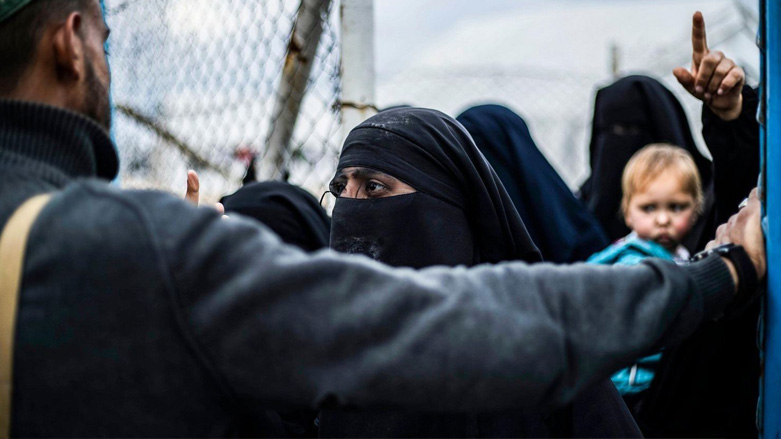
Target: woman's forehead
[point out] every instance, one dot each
(361, 172)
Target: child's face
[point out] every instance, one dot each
(662, 212)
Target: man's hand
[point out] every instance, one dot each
(714, 78)
(744, 229)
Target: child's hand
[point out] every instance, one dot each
(714, 78)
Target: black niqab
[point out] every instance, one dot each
(629, 114)
(434, 154)
(561, 226)
(291, 212)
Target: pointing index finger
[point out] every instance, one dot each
(699, 41)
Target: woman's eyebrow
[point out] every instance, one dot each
(369, 173)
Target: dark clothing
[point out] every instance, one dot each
(134, 320)
(404, 231)
(708, 385)
(734, 146)
(298, 219)
(420, 230)
(559, 224)
(628, 115)
(425, 149)
(291, 212)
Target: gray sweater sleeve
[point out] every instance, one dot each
(278, 326)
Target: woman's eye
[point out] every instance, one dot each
(374, 187)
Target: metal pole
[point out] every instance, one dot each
(772, 221)
(357, 101)
(615, 55)
(301, 51)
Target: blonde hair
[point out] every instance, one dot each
(654, 159)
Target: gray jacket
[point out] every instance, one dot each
(142, 316)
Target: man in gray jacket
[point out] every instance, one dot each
(142, 316)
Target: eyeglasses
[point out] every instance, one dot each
(326, 193)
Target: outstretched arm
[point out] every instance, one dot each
(285, 327)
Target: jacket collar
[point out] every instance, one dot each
(54, 143)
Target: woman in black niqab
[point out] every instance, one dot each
(457, 190)
(460, 214)
(561, 226)
(290, 211)
(629, 114)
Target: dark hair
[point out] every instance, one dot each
(20, 34)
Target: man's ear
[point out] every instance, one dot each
(68, 47)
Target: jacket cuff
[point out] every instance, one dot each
(713, 281)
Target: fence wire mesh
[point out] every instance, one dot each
(199, 84)
(557, 104)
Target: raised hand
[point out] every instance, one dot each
(714, 79)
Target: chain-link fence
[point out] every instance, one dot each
(209, 85)
(558, 104)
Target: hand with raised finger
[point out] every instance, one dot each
(714, 79)
(193, 187)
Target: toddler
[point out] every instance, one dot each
(662, 197)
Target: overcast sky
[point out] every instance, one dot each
(540, 32)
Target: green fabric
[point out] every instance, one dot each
(9, 7)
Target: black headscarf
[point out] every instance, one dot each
(291, 212)
(458, 191)
(434, 154)
(629, 114)
(560, 225)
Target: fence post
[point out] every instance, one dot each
(771, 409)
(301, 51)
(357, 100)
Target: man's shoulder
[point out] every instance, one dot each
(96, 191)
(95, 199)
(94, 210)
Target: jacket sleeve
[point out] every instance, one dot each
(734, 146)
(282, 327)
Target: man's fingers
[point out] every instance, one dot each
(219, 208)
(706, 70)
(685, 78)
(721, 235)
(193, 187)
(699, 41)
(719, 73)
(733, 80)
